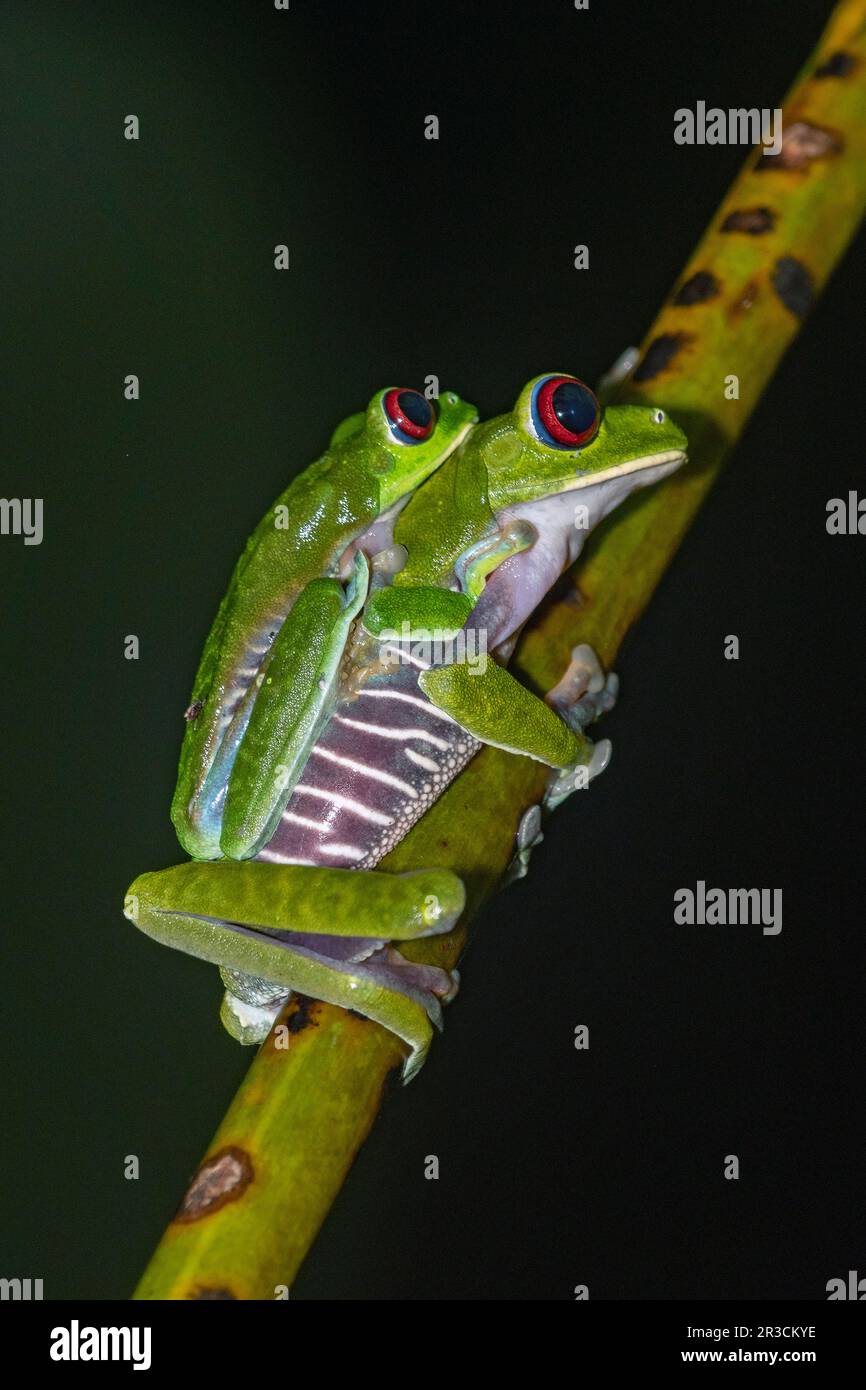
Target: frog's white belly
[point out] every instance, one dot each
(382, 760)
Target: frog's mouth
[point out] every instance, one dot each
(657, 467)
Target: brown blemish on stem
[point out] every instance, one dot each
(839, 64)
(697, 289)
(659, 355)
(205, 1292)
(752, 221)
(802, 144)
(220, 1179)
(745, 300)
(793, 284)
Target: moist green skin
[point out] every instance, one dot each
(300, 580)
(502, 463)
(362, 474)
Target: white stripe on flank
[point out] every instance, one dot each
(347, 851)
(346, 803)
(291, 819)
(411, 700)
(388, 649)
(382, 732)
(366, 771)
(273, 858)
(420, 761)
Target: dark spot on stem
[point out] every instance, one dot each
(353, 1013)
(793, 284)
(802, 144)
(205, 1292)
(752, 221)
(193, 711)
(839, 64)
(220, 1179)
(697, 289)
(300, 1015)
(659, 355)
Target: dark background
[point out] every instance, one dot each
(411, 257)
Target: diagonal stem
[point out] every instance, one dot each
(292, 1131)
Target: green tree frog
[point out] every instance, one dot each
(353, 671)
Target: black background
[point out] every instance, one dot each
(412, 257)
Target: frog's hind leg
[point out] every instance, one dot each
(327, 933)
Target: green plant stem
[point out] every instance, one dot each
(290, 1135)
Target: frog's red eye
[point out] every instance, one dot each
(565, 413)
(410, 415)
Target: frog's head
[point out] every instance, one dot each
(409, 436)
(558, 439)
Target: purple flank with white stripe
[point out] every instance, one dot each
(382, 760)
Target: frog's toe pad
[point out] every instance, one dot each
(584, 692)
(528, 836)
(248, 1023)
(572, 779)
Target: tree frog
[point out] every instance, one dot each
(335, 719)
(339, 507)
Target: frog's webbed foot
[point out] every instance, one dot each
(577, 778)
(250, 1005)
(528, 836)
(584, 693)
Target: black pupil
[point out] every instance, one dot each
(574, 407)
(416, 408)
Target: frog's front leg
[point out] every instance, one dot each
(323, 932)
(497, 709)
(494, 707)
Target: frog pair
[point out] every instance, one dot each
(357, 661)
